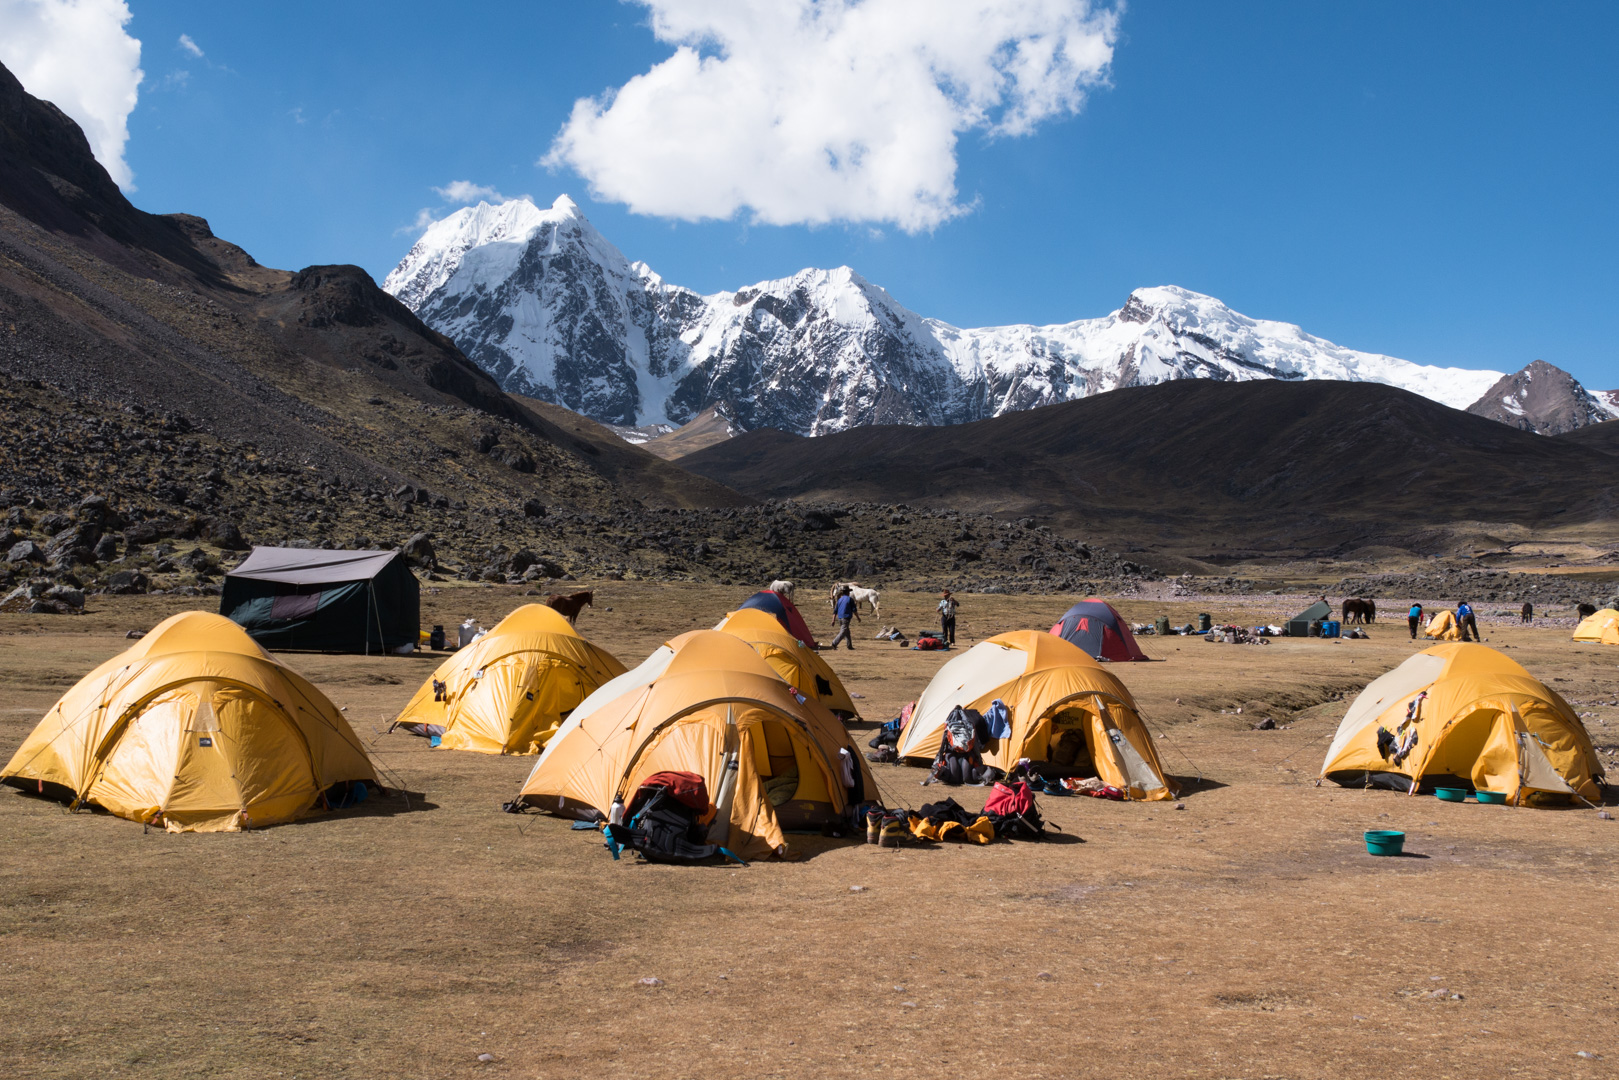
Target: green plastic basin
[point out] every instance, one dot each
(1451, 794)
(1384, 842)
(1491, 796)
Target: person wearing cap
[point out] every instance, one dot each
(947, 617)
(1467, 621)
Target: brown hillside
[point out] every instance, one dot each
(708, 428)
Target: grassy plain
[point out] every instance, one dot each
(1246, 935)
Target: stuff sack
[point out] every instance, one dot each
(929, 643)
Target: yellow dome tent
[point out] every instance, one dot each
(1443, 626)
(705, 703)
(1051, 687)
(1602, 627)
(795, 662)
(507, 692)
(1464, 715)
(193, 728)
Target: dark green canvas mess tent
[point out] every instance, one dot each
(334, 601)
(1299, 625)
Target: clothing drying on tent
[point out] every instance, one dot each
(794, 661)
(1060, 703)
(1463, 715)
(194, 728)
(1299, 625)
(335, 601)
(1094, 626)
(510, 690)
(706, 703)
(1602, 627)
(784, 612)
(1444, 627)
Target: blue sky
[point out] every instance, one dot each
(1434, 181)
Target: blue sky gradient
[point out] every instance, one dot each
(1434, 181)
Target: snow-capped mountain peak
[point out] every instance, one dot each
(548, 306)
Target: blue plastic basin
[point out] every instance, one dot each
(1384, 842)
(1451, 794)
(1491, 796)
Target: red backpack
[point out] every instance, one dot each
(1007, 800)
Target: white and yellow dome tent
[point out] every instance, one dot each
(194, 728)
(510, 690)
(706, 703)
(1601, 627)
(1050, 686)
(1464, 715)
(801, 666)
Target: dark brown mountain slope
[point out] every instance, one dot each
(1276, 463)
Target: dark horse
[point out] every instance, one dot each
(571, 604)
(1360, 611)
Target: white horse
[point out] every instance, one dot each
(785, 588)
(861, 596)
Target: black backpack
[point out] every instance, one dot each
(664, 829)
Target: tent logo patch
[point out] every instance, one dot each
(205, 741)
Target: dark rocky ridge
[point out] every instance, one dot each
(1316, 467)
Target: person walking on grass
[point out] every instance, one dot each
(846, 611)
(1414, 617)
(947, 617)
(1465, 619)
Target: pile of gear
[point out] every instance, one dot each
(1010, 813)
(1240, 635)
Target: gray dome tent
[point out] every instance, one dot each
(332, 601)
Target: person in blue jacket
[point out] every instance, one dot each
(1465, 620)
(845, 611)
(1414, 617)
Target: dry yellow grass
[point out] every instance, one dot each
(1247, 935)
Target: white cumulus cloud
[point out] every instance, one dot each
(190, 46)
(76, 55)
(465, 191)
(815, 111)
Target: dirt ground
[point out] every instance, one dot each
(1246, 935)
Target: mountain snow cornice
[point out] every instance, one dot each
(547, 305)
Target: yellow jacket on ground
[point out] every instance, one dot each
(705, 703)
(508, 692)
(794, 661)
(1050, 687)
(1467, 715)
(194, 728)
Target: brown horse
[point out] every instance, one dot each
(1360, 611)
(571, 604)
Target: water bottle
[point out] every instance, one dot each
(615, 816)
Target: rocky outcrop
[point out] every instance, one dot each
(1543, 399)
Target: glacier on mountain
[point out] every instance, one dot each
(547, 305)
